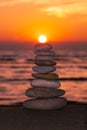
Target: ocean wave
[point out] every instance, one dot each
(2, 89)
(6, 99)
(82, 67)
(64, 79)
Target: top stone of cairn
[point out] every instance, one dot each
(43, 47)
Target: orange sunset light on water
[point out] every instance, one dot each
(25, 20)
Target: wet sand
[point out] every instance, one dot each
(71, 117)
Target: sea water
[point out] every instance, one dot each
(16, 69)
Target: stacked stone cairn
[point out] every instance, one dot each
(45, 92)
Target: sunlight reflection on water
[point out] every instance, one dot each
(13, 91)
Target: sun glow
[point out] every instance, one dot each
(42, 39)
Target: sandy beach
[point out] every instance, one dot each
(71, 117)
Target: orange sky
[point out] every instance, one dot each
(25, 20)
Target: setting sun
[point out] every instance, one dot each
(42, 39)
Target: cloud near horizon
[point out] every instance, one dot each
(58, 8)
(76, 8)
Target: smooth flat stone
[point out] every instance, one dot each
(44, 92)
(45, 104)
(46, 76)
(45, 53)
(45, 63)
(44, 69)
(44, 58)
(43, 47)
(45, 83)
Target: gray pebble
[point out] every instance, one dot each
(44, 69)
(43, 47)
(44, 92)
(45, 83)
(45, 104)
